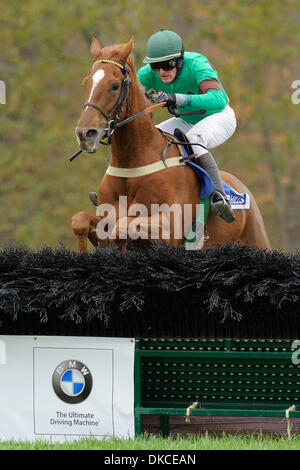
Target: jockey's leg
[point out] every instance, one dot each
(211, 132)
(219, 202)
(206, 134)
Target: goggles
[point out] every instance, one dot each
(167, 65)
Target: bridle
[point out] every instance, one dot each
(119, 105)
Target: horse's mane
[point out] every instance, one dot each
(131, 65)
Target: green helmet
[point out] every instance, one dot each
(163, 45)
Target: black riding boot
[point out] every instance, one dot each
(220, 205)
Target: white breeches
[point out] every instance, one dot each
(210, 131)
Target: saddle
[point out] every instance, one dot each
(180, 135)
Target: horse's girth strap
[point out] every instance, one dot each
(144, 170)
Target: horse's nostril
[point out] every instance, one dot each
(92, 134)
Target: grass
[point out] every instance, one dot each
(149, 442)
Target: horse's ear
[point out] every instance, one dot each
(95, 49)
(126, 50)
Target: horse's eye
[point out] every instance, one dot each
(115, 86)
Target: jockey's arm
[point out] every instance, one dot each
(210, 96)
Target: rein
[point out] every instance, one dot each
(121, 123)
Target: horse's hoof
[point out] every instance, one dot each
(94, 198)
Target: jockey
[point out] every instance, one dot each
(188, 80)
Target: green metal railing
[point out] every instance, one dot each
(225, 377)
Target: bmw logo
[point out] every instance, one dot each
(72, 381)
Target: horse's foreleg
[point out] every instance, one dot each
(84, 228)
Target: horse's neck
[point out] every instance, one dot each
(139, 142)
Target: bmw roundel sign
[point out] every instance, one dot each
(72, 381)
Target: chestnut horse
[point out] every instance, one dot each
(114, 94)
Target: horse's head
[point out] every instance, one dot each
(105, 90)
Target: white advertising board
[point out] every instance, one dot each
(66, 387)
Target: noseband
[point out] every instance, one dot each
(119, 106)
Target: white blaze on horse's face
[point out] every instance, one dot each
(98, 75)
(87, 135)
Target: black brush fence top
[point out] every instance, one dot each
(225, 292)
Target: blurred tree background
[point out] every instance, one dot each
(254, 45)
